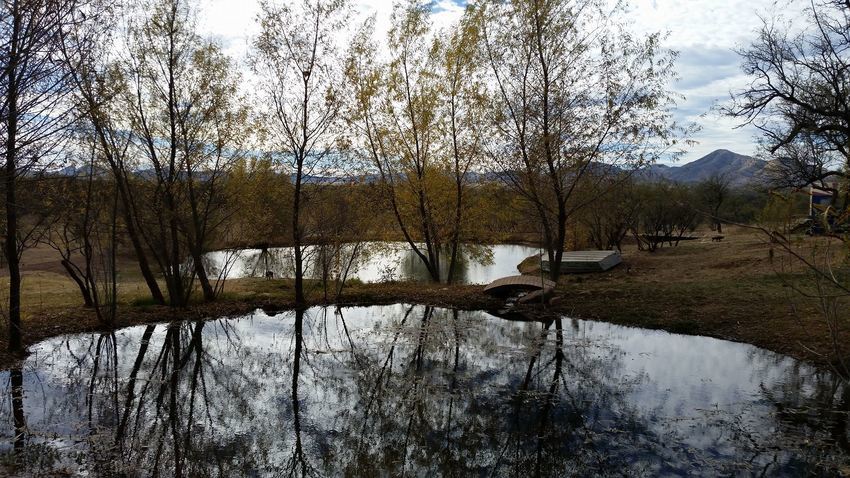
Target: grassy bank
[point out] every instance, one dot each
(735, 290)
(732, 290)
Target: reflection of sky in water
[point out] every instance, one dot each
(378, 261)
(398, 389)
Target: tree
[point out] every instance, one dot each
(576, 98)
(714, 192)
(807, 161)
(170, 123)
(89, 53)
(263, 198)
(33, 114)
(465, 99)
(83, 229)
(416, 119)
(797, 98)
(666, 214)
(615, 213)
(295, 55)
(799, 81)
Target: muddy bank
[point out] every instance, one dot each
(639, 308)
(730, 290)
(269, 295)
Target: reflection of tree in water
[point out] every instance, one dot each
(279, 261)
(432, 407)
(343, 261)
(420, 391)
(298, 464)
(412, 267)
(812, 409)
(159, 415)
(16, 379)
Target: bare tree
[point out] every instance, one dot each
(798, 94)
(169, 122)
(83, 230)
(576, 99)
(89, 50)
(797, 97)
(186, 120)
(34, 113)
(296, 57)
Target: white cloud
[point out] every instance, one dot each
(232, 23)
(706, 32)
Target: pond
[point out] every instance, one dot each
(374, 262)
(414, 390)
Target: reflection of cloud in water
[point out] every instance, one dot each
(396, 389)
(378, 261)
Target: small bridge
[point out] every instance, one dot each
(508, 285)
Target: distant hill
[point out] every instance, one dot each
(740, 169)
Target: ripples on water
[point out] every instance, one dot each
(401, 390)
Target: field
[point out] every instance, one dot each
(732, 290)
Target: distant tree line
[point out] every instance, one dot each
(652, 214)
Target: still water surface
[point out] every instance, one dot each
(376, 262)
(412, 390)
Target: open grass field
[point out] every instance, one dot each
(732, 289)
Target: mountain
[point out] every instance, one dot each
(738, 168)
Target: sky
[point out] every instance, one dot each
(704, 32)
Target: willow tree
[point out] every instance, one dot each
(416, 118)
(169, 122)
(465, 100)
(92, 59)
(296, 57)
(576, 99)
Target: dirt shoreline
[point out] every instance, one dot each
(79, 320)
(730, 291)
(464, 297)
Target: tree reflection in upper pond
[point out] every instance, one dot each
(414, 390)
(374, 262)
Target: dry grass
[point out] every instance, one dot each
(732, 290)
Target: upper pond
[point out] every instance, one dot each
(376, 261)
(413, 390)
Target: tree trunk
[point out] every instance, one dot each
(203, 278)
(560, 242)
(458, 216)
(138, 248)
(11, 249)
(12, 255)
(296, 239)
(84, 290)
